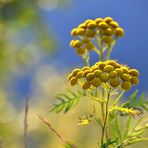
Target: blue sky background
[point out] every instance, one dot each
(131, 50)
(131, 15)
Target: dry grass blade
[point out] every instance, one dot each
(26, 122)
(52, 129)
(61, 138)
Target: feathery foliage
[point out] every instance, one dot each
(129, 111)
(108, 142)
(135, 102)
(67, 101)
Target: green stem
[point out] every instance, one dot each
(86, 59)
(110, 47)
(101, 55)
(97, 51)
(106, 117)
(102, 105)
(108, 53)
(87, 63)
(117, 100)
(127, 127)
(100, 47)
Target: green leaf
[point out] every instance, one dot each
(108, 142)
(127, 126)
(134, 102)
(135, 140)
(129, 111)
(67, 101)
(131, 100)
(111, 116)
(69, 145)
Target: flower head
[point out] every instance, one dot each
(106, 29)
(107, 72)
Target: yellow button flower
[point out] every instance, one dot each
(103, 25)
(108, 68)
(77, 43)
(96, 82)
(90, 32)
(106, 39)
(114, 24)
(80, 50)
(89, 76)
(125, 77)
(119, 32)
(104, 77)
(113, 74)
(73, 81)
(97, 73)
(108, 19)
(86, 85)
(134, 72)
(73, 32)
(134, 80)
(80, 74)
(115, 82)
(75, 71)
(98, 20)
(126, 85)
(80, 31)
(92, 25)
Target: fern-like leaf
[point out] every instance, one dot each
(108, 143)
(67, 101)
(129, 111)
(133, 101)
(133, 140)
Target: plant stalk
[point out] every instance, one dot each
(105, 118)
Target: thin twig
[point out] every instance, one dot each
(61, 138)
(26, 122)
(52, 129)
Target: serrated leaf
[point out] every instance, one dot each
(58, 108)
(134, 102)
(129, 111)
(131, 100)
(67, 101)
(111, 116)
(135, 140)
(72, 93)
(137, 133)
(68, 106)
(108, 142)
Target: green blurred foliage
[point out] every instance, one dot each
(25, 38)
(24, 34)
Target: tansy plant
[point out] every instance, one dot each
(105, 82)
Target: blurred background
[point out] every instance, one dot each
(35, 58)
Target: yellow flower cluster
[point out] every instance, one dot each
(106, 29)
(110, 72)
